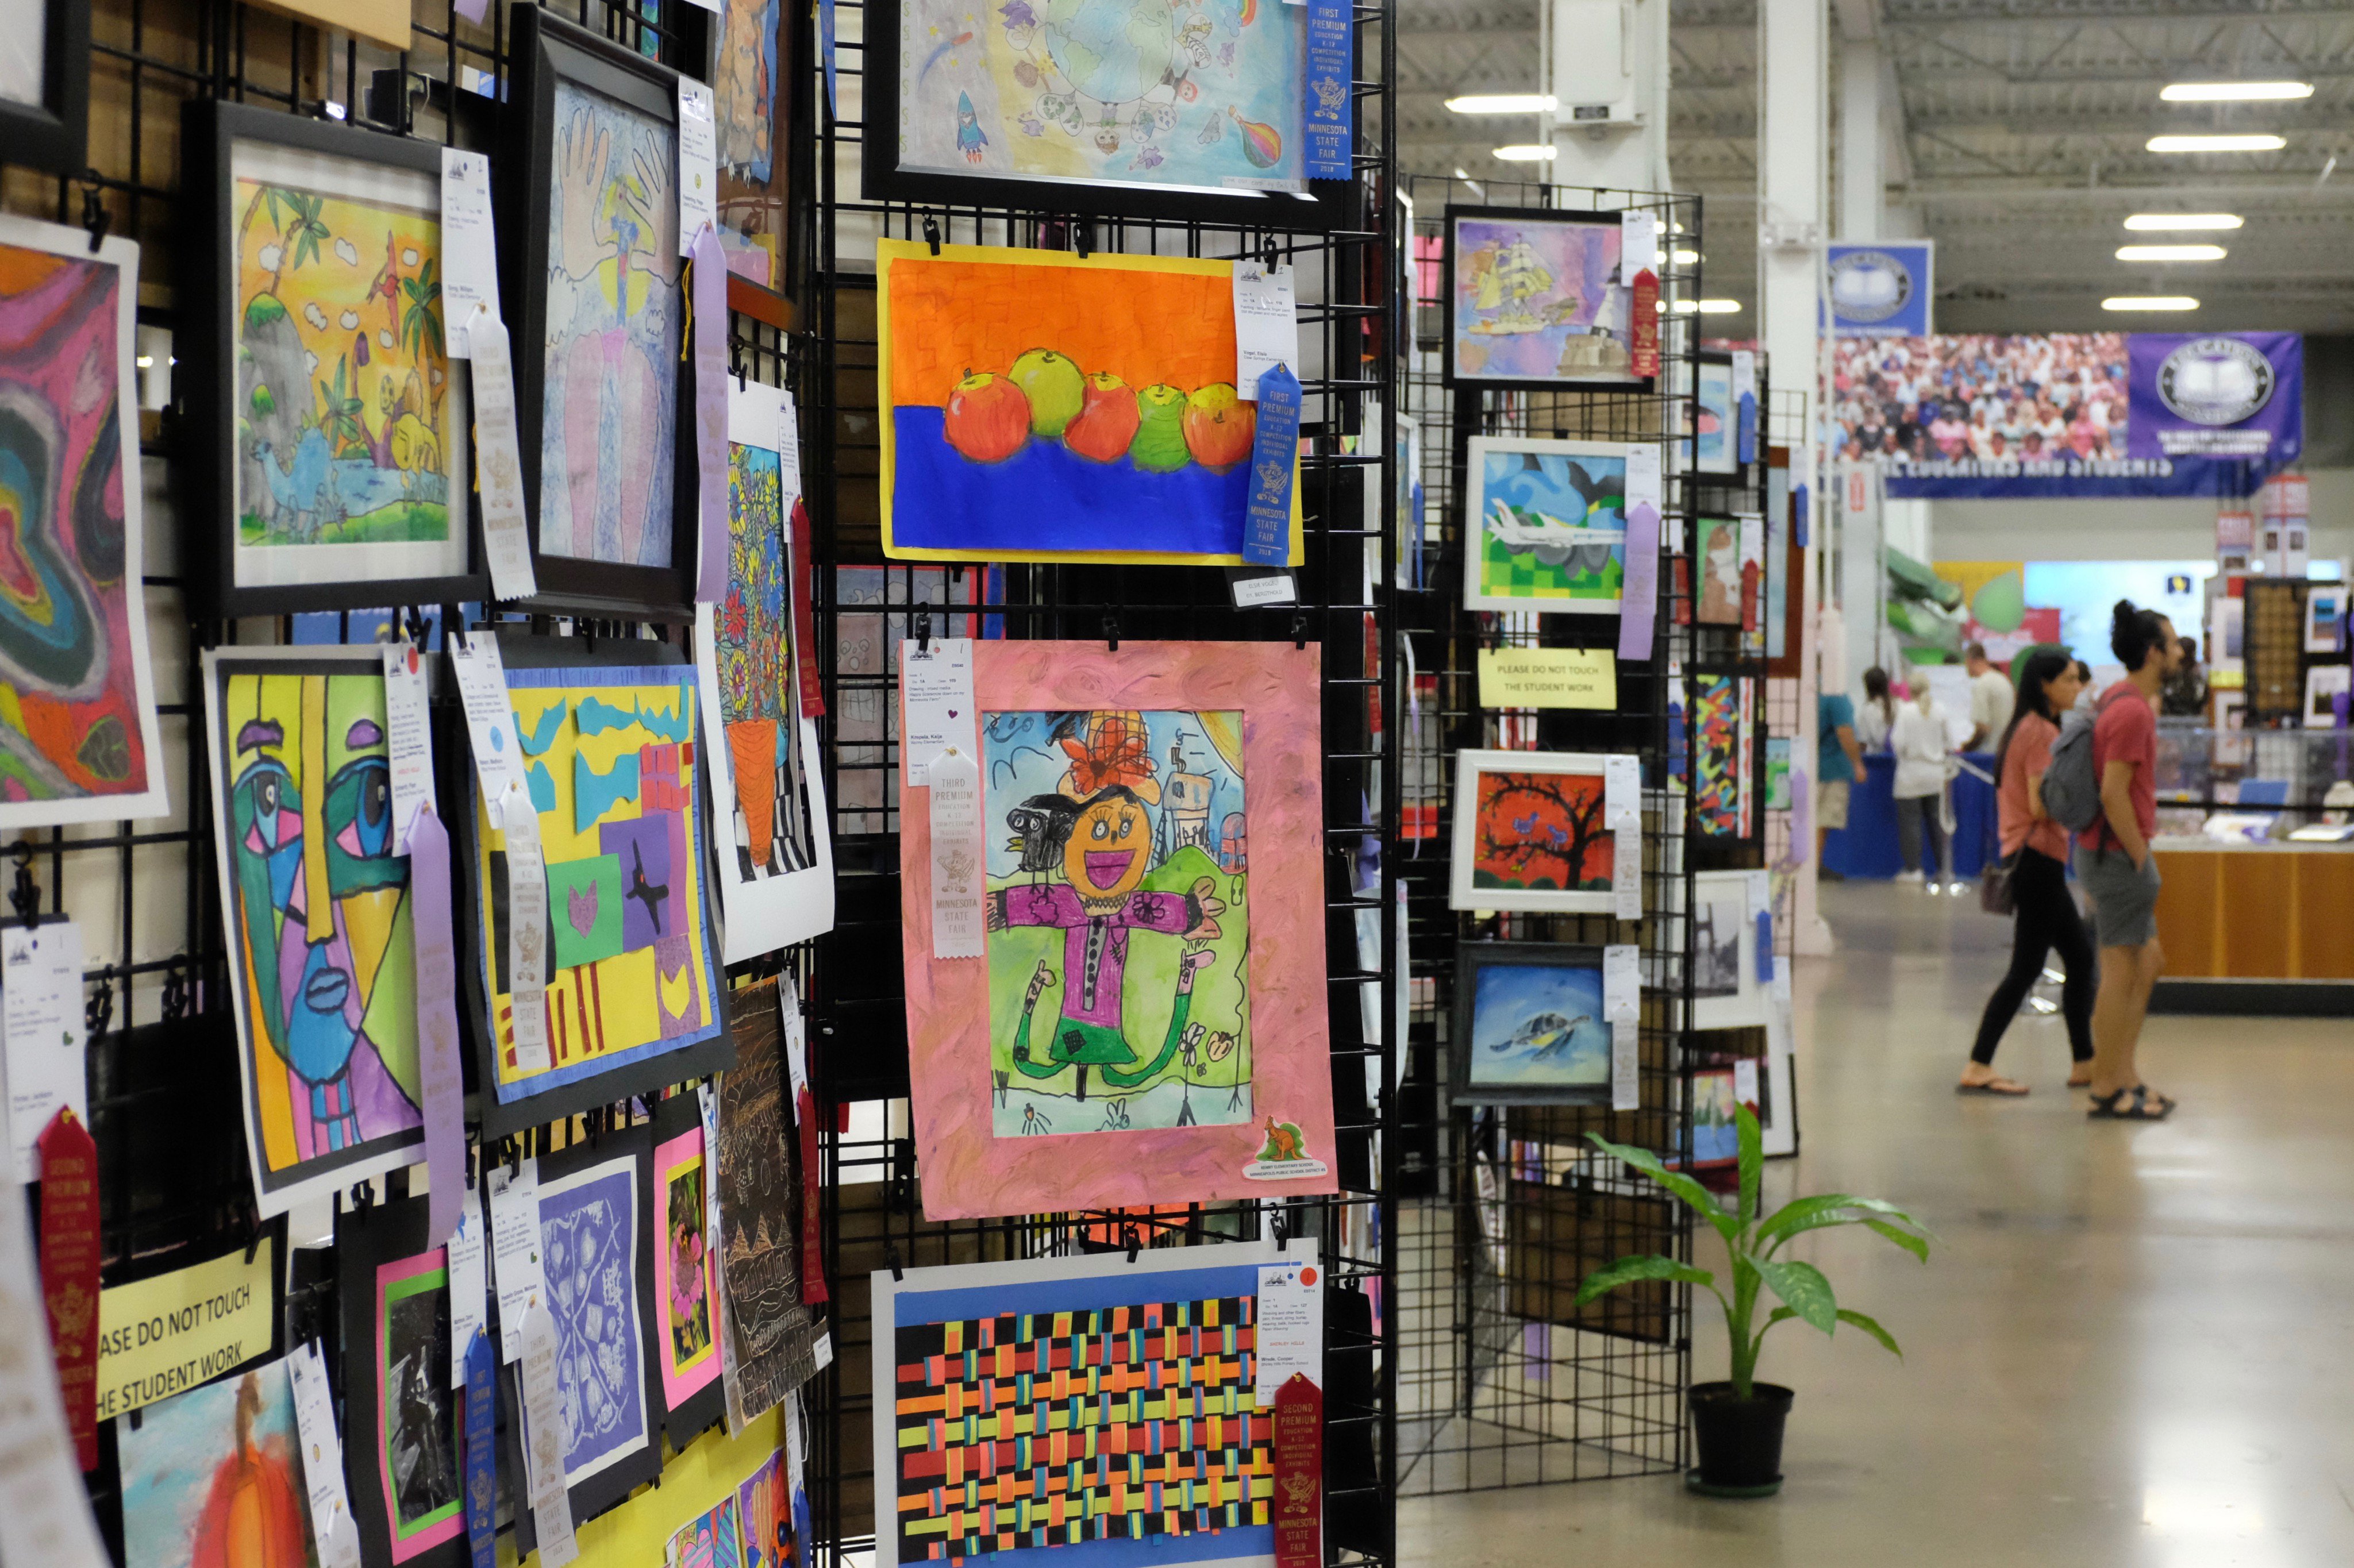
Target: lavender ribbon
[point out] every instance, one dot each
(711, 412)
(441, 1077)
(1640, 596)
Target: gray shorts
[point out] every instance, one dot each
(2125, 901)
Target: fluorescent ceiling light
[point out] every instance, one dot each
(2260, 143)
(1720, 307)
(1681, 307)
(1683, 257)
(2149, 303)
(1503, 104)
(2161, 221)
(1526, 152)
(2170, 253)
(2234, 91)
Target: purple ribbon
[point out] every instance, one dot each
(1639, 596)
(441, 1075)
(711, 412)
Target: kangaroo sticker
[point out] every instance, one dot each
(1282, 1154)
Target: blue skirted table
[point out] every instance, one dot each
(1867, 847)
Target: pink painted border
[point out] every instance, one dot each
(678, 1387)
(970, 1173)
(387, 1274)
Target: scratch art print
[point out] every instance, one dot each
(1536, 300)
(1041, 406)
(1145, 1025)
(1142, 1439)
(1202, 94)
(216, 1466)
(588, 1248)
(1551, 521)
(76, 697)
(767, 799)
(351, 441)
(612, 758)
(1532, 832)
(614, 314)
(771, 1339)
(321, 942)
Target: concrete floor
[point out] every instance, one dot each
(2132, 1345)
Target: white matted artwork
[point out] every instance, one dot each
(1532, 832)
(2324, 617)
(2324, 684)
(1726, 992)
(1550, 521)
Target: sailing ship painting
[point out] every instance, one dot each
(1538, 299)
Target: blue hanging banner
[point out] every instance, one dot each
(481, 1466)
(1749, 452)
(1331, 62)
(1764, 947)
(825, 43)
(1275, 451)
(1798, 515)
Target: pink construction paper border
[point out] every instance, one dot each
(968, 1171)
(389, 1275)
(680, 1383)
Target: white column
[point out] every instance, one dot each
(1609, 72)
(1862, 180)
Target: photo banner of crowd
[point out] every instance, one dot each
(2077, 415)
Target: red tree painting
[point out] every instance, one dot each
(1542, 831)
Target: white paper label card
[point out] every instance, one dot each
(498, 462)
(935, 701)
(752, 419)
(958, 854)
(789, 1002)
(469, 254)
(789, 443)
(323, 1459)
(698, 163)
(1622, 791)
(41, 1011)
(1638, 250)
(1643, 478)
(1622, 990)
(409, 738)
(1759, 887)
(1266, 324)
(1745, 372)
(1627, 873)
(469, 1283)
(1255, 587)
(490, 720)
(1626, 1078)
(516, 1267)
(1745, 1081)
(1290, 1330)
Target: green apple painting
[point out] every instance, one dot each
(1041, 406)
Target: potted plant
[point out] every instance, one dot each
(1737, 1424)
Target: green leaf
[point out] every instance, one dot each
(1628, 1270)
(1675, 1181)
(1858, 1320)
(1785, 1220)
(1803, 1288)
(1753, 1158)
(1917, 1246)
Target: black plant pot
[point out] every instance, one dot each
(1740, 1440)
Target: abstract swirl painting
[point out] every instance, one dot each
(76, 697)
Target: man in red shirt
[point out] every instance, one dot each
(2115, 867)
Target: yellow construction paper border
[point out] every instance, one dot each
(637, 1533)
(889, 250)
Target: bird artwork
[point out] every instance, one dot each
(580, 907)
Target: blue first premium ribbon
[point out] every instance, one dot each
(1764, 947)
(1331, 61)
(1267, 521)
(1746, 450)
(482, 1467)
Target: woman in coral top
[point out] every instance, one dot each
(2045, 914)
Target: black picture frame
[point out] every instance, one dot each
(520, 650)
(367, 1240)
(1325, 205)
(592, 1495)
(1453, 257)
(708, 1405)
(54, 133)
(546, 49)
(1471, 958)
(210, 345)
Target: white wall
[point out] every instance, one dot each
(2119, 530)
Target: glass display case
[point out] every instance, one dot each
(2284, 775)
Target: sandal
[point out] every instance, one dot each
(2146, 1106)
(1999, 1086)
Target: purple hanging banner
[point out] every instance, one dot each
(711, 412)
(1639, 596)
(441, 1077)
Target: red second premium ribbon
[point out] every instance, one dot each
(1645, 310)
(70, 1270)
(1298, 1474)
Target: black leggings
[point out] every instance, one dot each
(2046, 922)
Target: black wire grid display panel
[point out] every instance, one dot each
(1502, 1381)
(173, 1180)
(874, 1216)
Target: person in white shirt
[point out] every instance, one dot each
(1920, 744)
(1991, 699)
(1877, 716)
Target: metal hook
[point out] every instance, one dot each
(1267, 253)
(98, 1010)
(932, 233)
(923, 633)
(94, 216)
(26, 897)
(1111, 632)
(1300, 629)
(891, 1261)
(1282, 1228)
(176, 990)
(1083, 237)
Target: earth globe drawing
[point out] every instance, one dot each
(1114, 51)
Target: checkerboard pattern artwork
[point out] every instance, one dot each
(1053, 1429)
(1504, 575)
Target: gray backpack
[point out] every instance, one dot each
(2072, 792)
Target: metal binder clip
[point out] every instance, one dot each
(26, 896)
(1083, 237)
(1300, 629)
(94, 216)
(1111, 632)
(1131, 1241)
(932, 233)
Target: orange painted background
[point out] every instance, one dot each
(949, 319)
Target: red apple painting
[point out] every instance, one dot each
(1038, 406)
